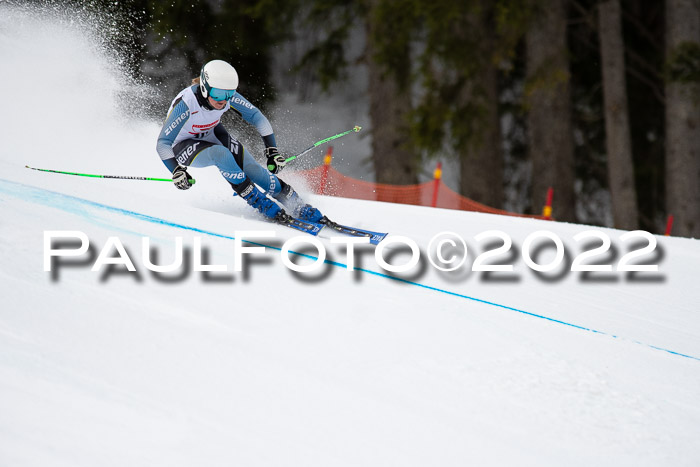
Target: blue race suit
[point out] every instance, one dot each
(193, 136)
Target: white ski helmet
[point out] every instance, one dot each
(220, 76)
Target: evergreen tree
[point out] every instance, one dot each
(617, 133)
(388, 27)
(548, 94)
(683, 115)
(459, 108)
(186, 34)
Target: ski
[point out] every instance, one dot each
(298, 224)
(313, 228)
(374, 237)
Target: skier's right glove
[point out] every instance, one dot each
(181, 178)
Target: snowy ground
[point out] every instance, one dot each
(332, 367)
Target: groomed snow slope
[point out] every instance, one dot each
(333, 367)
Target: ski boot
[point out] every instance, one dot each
(258, 200)
(297, 207)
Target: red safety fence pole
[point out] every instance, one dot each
(547, 210)
(326, 166)
(437, 175)
(669, 225)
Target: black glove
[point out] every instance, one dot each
(181, 178)
(275, 160)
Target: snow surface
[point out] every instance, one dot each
(333, 367)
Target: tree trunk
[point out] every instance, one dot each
(617, 131)
(389, 107)
(481, 161)
(548, 101)
(682, 119)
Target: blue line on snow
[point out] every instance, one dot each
(39, 196)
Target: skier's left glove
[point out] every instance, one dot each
(275, 160)
(181, 178)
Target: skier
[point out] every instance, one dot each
(193, 136)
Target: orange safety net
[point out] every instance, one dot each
(326, 180)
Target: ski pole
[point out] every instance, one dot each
(318, 143)
(123, 177)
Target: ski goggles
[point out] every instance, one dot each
(221, 94)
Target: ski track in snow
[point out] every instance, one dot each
(68, 203)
